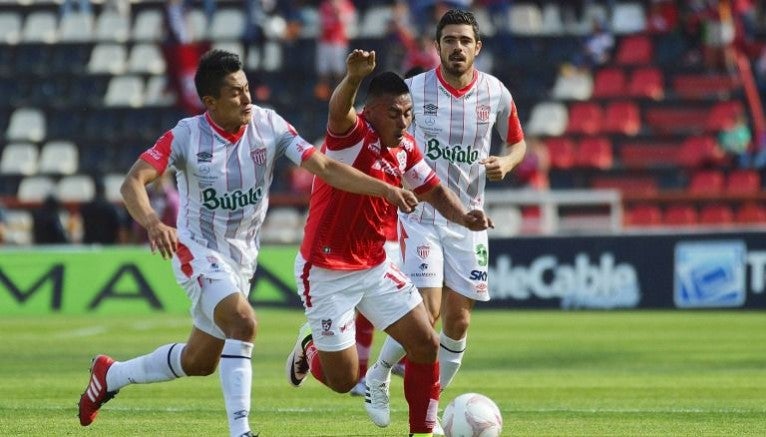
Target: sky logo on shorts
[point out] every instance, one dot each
(710, 274)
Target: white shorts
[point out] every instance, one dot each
(217, 276)
(331, 59)
(393, 252)
(454, 256)
(382, 293)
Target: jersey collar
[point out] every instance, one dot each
(452, 90)
(228, 136)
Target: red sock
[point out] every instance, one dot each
(314, 364)
(421, 389)
(364, 330)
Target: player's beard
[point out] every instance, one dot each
(458, 70)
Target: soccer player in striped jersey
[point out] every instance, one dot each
(456, 106)
(224, 161)
(342, 265)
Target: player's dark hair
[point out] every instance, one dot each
(386, 83)
(414, 71)
(457, 16)
(213, 68)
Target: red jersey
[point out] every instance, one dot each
(335, 16)
(347, 231)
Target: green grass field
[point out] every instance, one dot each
(552, 373)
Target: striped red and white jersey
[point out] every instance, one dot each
(347, 231)
(224, 179)
(453, 128)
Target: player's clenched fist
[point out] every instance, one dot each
(360, 63)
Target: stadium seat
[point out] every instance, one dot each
(157, 92)
(704, 85)
(272, 56)
(634, 50)
(706, 182)
(643, 215)
(716, 214)
(227, 25)
(622, 118)
(19, 159)
(723, 114)
(573, 86)
(374, 23)
(647, 82)
(648, 155)
(743, 181)
(76, 188)
(35, 188)
(76, 27)
(146, 59)
(148, 25)
(628, 18)
(592, 11)
(58, 157)
(698, 151)
(525, 19)
(677, 119)
(108, 59)
(628, 185)
(585, 118)
(275, 26)
(125, 91)
(18, 227)
(548, 118)
(751, 213)
(198, 25)
(112, 184)
(40, 27)
(111, 26)
(26, 124)
(561, 151)
(609, 82)
(595, 152)
(10, 27)
(552, 24)
(680, 215)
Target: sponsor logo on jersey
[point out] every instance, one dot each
(259, 155)
(456, 153)
(424, 251)
(374, 147)
(482, 113)
(231, 201)
(204, 157)
(430, 109)
(710, 274)
(423, 266)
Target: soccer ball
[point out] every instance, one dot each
(472, 415)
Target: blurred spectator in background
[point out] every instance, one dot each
(46, 223)
(498, 11)
(415, 50)
(163, 197)
(182, 54)
(718, 33)
(662, 16)
(208, 6)
(102, 221)
(532, 171)
(335, 19)
(736, 141)
(596, 47)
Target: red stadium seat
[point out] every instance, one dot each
(561, 151)
(595, 152)
(680, 120)
(643, 215)
(627, 185)
(585, 118)
(622, 118)
(696, 151)
(751, 213)
(647, 82)
(635, 50)
(648, 155)
(680, 215)
(743, 182)
(707, 182)
(704, 85)
(716, 214)
(723, 114)
(609, 82)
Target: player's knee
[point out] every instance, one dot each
(243, 327)
(197, 364)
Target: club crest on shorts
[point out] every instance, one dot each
(326, 325)
(259, 155)
(424, 251)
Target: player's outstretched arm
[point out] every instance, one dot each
(342, 115)
(448, 205)
(347, 178)
(162, 238)
(497, 167)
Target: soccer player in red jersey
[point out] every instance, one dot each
(342, 265)
(224, 161)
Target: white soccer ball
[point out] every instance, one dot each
(472, 415)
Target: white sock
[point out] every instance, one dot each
(390, 354)
(450, 356)
(236, 374)
(164, 364)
